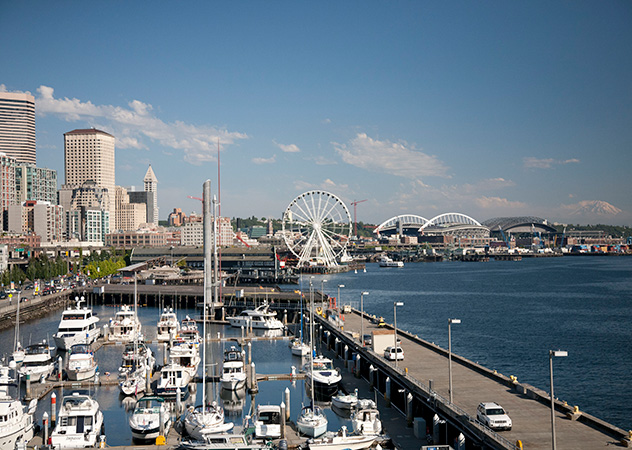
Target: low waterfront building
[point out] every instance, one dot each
(192, 234)
(140, 238)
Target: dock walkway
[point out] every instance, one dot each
(472, 384)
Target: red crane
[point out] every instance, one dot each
(355, 223)
(194, 198)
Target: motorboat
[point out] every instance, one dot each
(312, 421)
(134, 382)
(81, 363)
(79, 423)
(125, 326)
(173, 377)
(233, 371)
(133, 353)
(258, 318)
(224, 441)
(385, 261)
(168, 326)
(17, 425)
(77, 326)
(299, 348)
(268, 422)
(345, 401)
(185, 354)
(367, 422)
(325, 376)
(341, 441)
(38, 362)
(150, 417)
(203, 421)
(189, 332)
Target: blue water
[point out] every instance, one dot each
(513, 313)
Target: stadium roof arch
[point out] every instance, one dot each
(520, 224)
(454, 224)
(409, 221)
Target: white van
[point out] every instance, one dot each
(391, 353)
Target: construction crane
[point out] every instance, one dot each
(355, 210)
(194, 198)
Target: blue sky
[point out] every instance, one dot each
(485, 108)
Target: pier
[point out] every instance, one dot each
(424, 374)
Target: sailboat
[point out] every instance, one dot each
(204, 420)
(298, 346)
(18, 350)
(312, 421)
(134, 377)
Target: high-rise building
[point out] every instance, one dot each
(41, 218)
(35, 183)
(89, 155)
(151, 185)
(17, 126)
(129, 216)
(7, 182)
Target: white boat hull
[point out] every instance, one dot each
(66, 340)
(343, 443)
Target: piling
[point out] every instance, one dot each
(387, 392)
(45, 426)
(253, 378)
(345, 354)
(53, 409)
(148, 379)
(283, 419)
(60, 368)
(286, 395)
(249, 352)
(372, 376)
(357, 365)
(409, 409)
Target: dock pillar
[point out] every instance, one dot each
(253, 379)
(387, 392)
(53, 410)
(345, 354)
(409, 410)
(45, 427)
(372, 376)
(286, 400)
(336, 345)
(283, 419)
(60, 368)
(460, 442)
(179, 401)
(148, 379)
(223, 314)
(285, 317)
(357, 365)
(249, 352)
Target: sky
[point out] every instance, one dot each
(489, 109)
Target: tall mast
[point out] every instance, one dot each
(206, 213)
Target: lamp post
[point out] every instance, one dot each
(171, 248)
(322, 292)
(338, 299)
(450, 322)
(395, 305)
(362, 316)
(552, 353)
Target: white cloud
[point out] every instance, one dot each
(395, 158)
(290, 148)
(264, 160)
(497, 202)
(133, 124)
(326, 185)
(530, 162)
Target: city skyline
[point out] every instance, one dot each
(420, 108)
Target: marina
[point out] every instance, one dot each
(274, 358)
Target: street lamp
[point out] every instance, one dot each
(450, 322)
(362, 316)
(552, 353)
(395, 305)
(322, 292)
(338, 299)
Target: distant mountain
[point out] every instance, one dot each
(595, 208)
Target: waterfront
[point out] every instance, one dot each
(512, 313)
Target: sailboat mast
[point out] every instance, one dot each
(311, 341)
(206, 212)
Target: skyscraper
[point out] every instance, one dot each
(151, 185)
(89, 155)
(17, 126)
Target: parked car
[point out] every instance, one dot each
(391, 353)
(493, 415)
(368, 339)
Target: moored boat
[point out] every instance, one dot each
(258, 318)
(81, 363)
(150, 418)
(233, 371)
(38, 362)
(18, 423)
(268, 422)
(325, 376)
(341, 441)
(367, 422)
(79, 423)
(312, 421)
(77, 326)
(168, 325)
(385, 261)
(201, 422)
(125, 326)
(173, 377)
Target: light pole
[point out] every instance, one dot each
(450, 322)
(552, 353)
(338, 299)
(322, 293)
(395, 305)
(362, 316)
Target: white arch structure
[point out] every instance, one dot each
(447, 223)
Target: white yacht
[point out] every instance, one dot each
(341, 441)
(133, 353)
(134, 382)
(81, 363)
(299, 348)
(16, 421)
(325, 376)
(186, 355)
(201, 422)
(345, 401)
(77, 326)
(258, 318)
(173, 377)
(367, 422)
(312, 421)
(125, 325)
(168, 325)
(224, 441)
(233, 371)
(79, 423)
(38, 362)
(268, 422)
(385, 261)
(149, 416)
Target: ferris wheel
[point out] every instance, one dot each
(317, 228)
